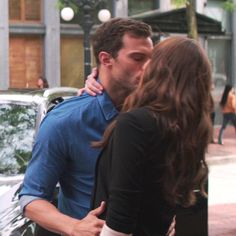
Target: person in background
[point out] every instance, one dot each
(62, 151)
(213, 114)
(154, 151)
(42, 83)
(228, 106)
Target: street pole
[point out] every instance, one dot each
(87, 26)
(87, 8)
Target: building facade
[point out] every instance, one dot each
(35, 42)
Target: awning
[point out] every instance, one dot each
(174, 21)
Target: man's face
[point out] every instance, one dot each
(128, 66)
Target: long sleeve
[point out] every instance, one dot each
(106, 231)
(129, 150)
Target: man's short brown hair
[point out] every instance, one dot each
(108, 37)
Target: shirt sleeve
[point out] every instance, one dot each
(129, 147)
(106, 231)
(25, 200)
(47, 163)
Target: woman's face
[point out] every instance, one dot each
(143, 72)
(40, 83)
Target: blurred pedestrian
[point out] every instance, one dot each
(42, 82)
(154, 152)
(228, 106)
(213, 114)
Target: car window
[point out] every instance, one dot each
(17, 128)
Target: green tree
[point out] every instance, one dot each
(190, 16)
(17, 127)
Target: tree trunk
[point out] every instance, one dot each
(191, 19)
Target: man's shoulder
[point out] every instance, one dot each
(84, 105)
(70, 108)
(74, 104)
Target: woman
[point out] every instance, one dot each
(228, 106)
(42, 83)
(154, 153)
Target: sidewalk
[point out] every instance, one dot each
(222, 164)
(226, 153)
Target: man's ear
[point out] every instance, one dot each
(105, 58)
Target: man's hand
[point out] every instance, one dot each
(48, 216)
(90, 225)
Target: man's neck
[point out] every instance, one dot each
(117, 95)
(115, 92)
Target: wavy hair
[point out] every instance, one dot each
(176, 89)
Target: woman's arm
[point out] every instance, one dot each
(129, 146)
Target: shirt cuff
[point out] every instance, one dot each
(106, 231)
(25, 200)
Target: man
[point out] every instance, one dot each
(62, 151)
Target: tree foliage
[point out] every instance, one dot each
(17, 125)
(72, 3)
(229, 5)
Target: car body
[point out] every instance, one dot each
(20, 116)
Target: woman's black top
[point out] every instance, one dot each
(128, 176)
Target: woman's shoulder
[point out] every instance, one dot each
(142, 117)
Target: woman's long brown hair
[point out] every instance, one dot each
(176, 89)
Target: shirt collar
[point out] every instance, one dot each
(107, 106)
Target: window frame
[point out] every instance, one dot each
(23, 14)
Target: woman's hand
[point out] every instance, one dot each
(92, 87)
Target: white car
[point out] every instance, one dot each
(20, 116)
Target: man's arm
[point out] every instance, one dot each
(47, 215)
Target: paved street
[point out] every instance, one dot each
(222, 186)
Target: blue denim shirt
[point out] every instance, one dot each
(62, 153)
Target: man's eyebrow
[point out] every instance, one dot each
(138, 53)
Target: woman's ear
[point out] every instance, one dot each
(105, 58)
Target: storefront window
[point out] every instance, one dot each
(15, 10)
(215, 10)
(25, 10)
(218, 52)
(219, 55)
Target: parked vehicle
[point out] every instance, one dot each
(20, 117)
